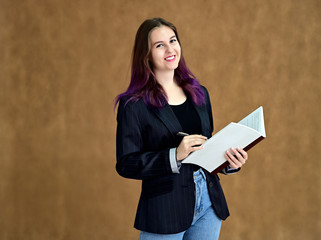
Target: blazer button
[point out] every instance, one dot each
(210, 184)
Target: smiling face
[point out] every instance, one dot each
(165, 50)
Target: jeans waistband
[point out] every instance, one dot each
(199, 174)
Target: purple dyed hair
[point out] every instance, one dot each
(143, 83)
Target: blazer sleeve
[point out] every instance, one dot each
(133, 160)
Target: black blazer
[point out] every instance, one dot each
(144, 138)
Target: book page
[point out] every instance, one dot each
(212, 156)
(255, 120)
(248, 131)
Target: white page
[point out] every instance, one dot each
(255, 120)
(212, 156)
(236, 135)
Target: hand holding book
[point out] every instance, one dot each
(236, 157)
(244, 134)
(189, 144)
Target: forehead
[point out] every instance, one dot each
(162, 33)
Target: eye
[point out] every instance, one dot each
(173, 40)
(159, 45)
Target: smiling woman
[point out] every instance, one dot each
(144, 83)
(165, 53)
(165, 50)
(163, 98)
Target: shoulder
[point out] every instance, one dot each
(206, 94)
(127, 106)
(204, 89)
(129, 103)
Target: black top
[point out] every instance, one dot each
(188, 118)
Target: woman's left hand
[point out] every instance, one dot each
(236, 157)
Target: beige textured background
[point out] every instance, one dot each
(63, 62)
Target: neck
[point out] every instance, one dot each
(165, 79)
(175, 94)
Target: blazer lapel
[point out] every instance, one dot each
(167, 116)
(203, 114)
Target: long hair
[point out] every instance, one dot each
(143, 83)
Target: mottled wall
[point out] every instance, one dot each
(63, 62)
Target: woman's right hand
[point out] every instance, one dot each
(189, 144)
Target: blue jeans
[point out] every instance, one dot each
(205, 226)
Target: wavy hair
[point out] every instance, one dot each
(143, 82)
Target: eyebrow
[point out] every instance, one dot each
(163, 41)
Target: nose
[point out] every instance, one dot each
(169, 49)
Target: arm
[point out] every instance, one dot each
(133, 159)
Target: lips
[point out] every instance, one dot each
(170, 58)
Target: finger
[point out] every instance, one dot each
(238, 155)
(193, 141)
(244, 153)
(196, 143)
(196, 136)
(233, 160)
(199, 136)
(193, 149)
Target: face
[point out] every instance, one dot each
(165, 50)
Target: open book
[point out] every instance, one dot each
(244, 134)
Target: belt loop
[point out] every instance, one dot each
(202, 172)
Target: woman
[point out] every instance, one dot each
(178, 201)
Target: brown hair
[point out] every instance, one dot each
(143, 82)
